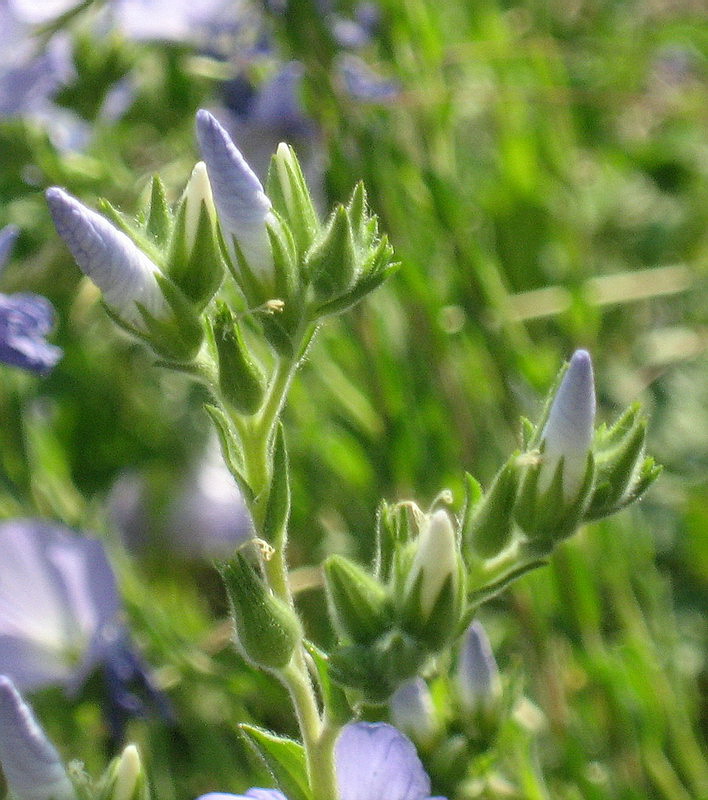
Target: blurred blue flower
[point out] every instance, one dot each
(373, 761)
(477, 677)
(25, 319)
(204, 517)
(29, 762)
(569, 430)
(362, 83)
(30, 72)
(60, 618)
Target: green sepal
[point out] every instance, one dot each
(277, 512)
(131, 228)
(256, 292)
(278, 329)
(288, 192)
(623, 474)
(397, 524)
(284, 759)
(240, 379)
(267, 631)
(227, 438)
(334, 698)
(285, 264)
(528, 431)
(490, 527)
(158, 225)
(196, 267)
(359, 605)
(545, 517)
(331, 264)
(366, 284)
(179, 337)
(440, 626)
(376, 671)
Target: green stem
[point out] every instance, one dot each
(318, 738)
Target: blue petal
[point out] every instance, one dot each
(377, 762)
(29, 762)
(111, 259)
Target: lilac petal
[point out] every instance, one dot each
(8, 235)
(57, 599)
(569, 429)
(374, 760)
(29, 762)
(116, 265)
(24, 321)
(240, 200)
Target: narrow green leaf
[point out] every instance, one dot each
(284, 758)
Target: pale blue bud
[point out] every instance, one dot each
(29, 761)
(120, 269)
(477, 677)
(413, 712)
(241, 203)
(568, 432)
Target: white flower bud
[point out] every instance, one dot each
(436, 560)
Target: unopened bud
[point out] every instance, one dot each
(413, 712)
(358, 603)
(477, 677)
(266, 628)
(569, 429)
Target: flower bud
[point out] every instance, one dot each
(332, 262)
(267, 631)
(125, 778)
(434, 586)
(477, 676)
(240, 378)
(243, 207)
(195, 263)
(413, 712)
(568, 432)
(124, 274)
(358, 603)
(492, 521)
(288, 190)
(30, 763)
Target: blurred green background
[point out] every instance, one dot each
(541, 169)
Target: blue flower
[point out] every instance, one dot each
(25, 319)
(374, 761)
(29, 762)
(568, 432)
(60, 618)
